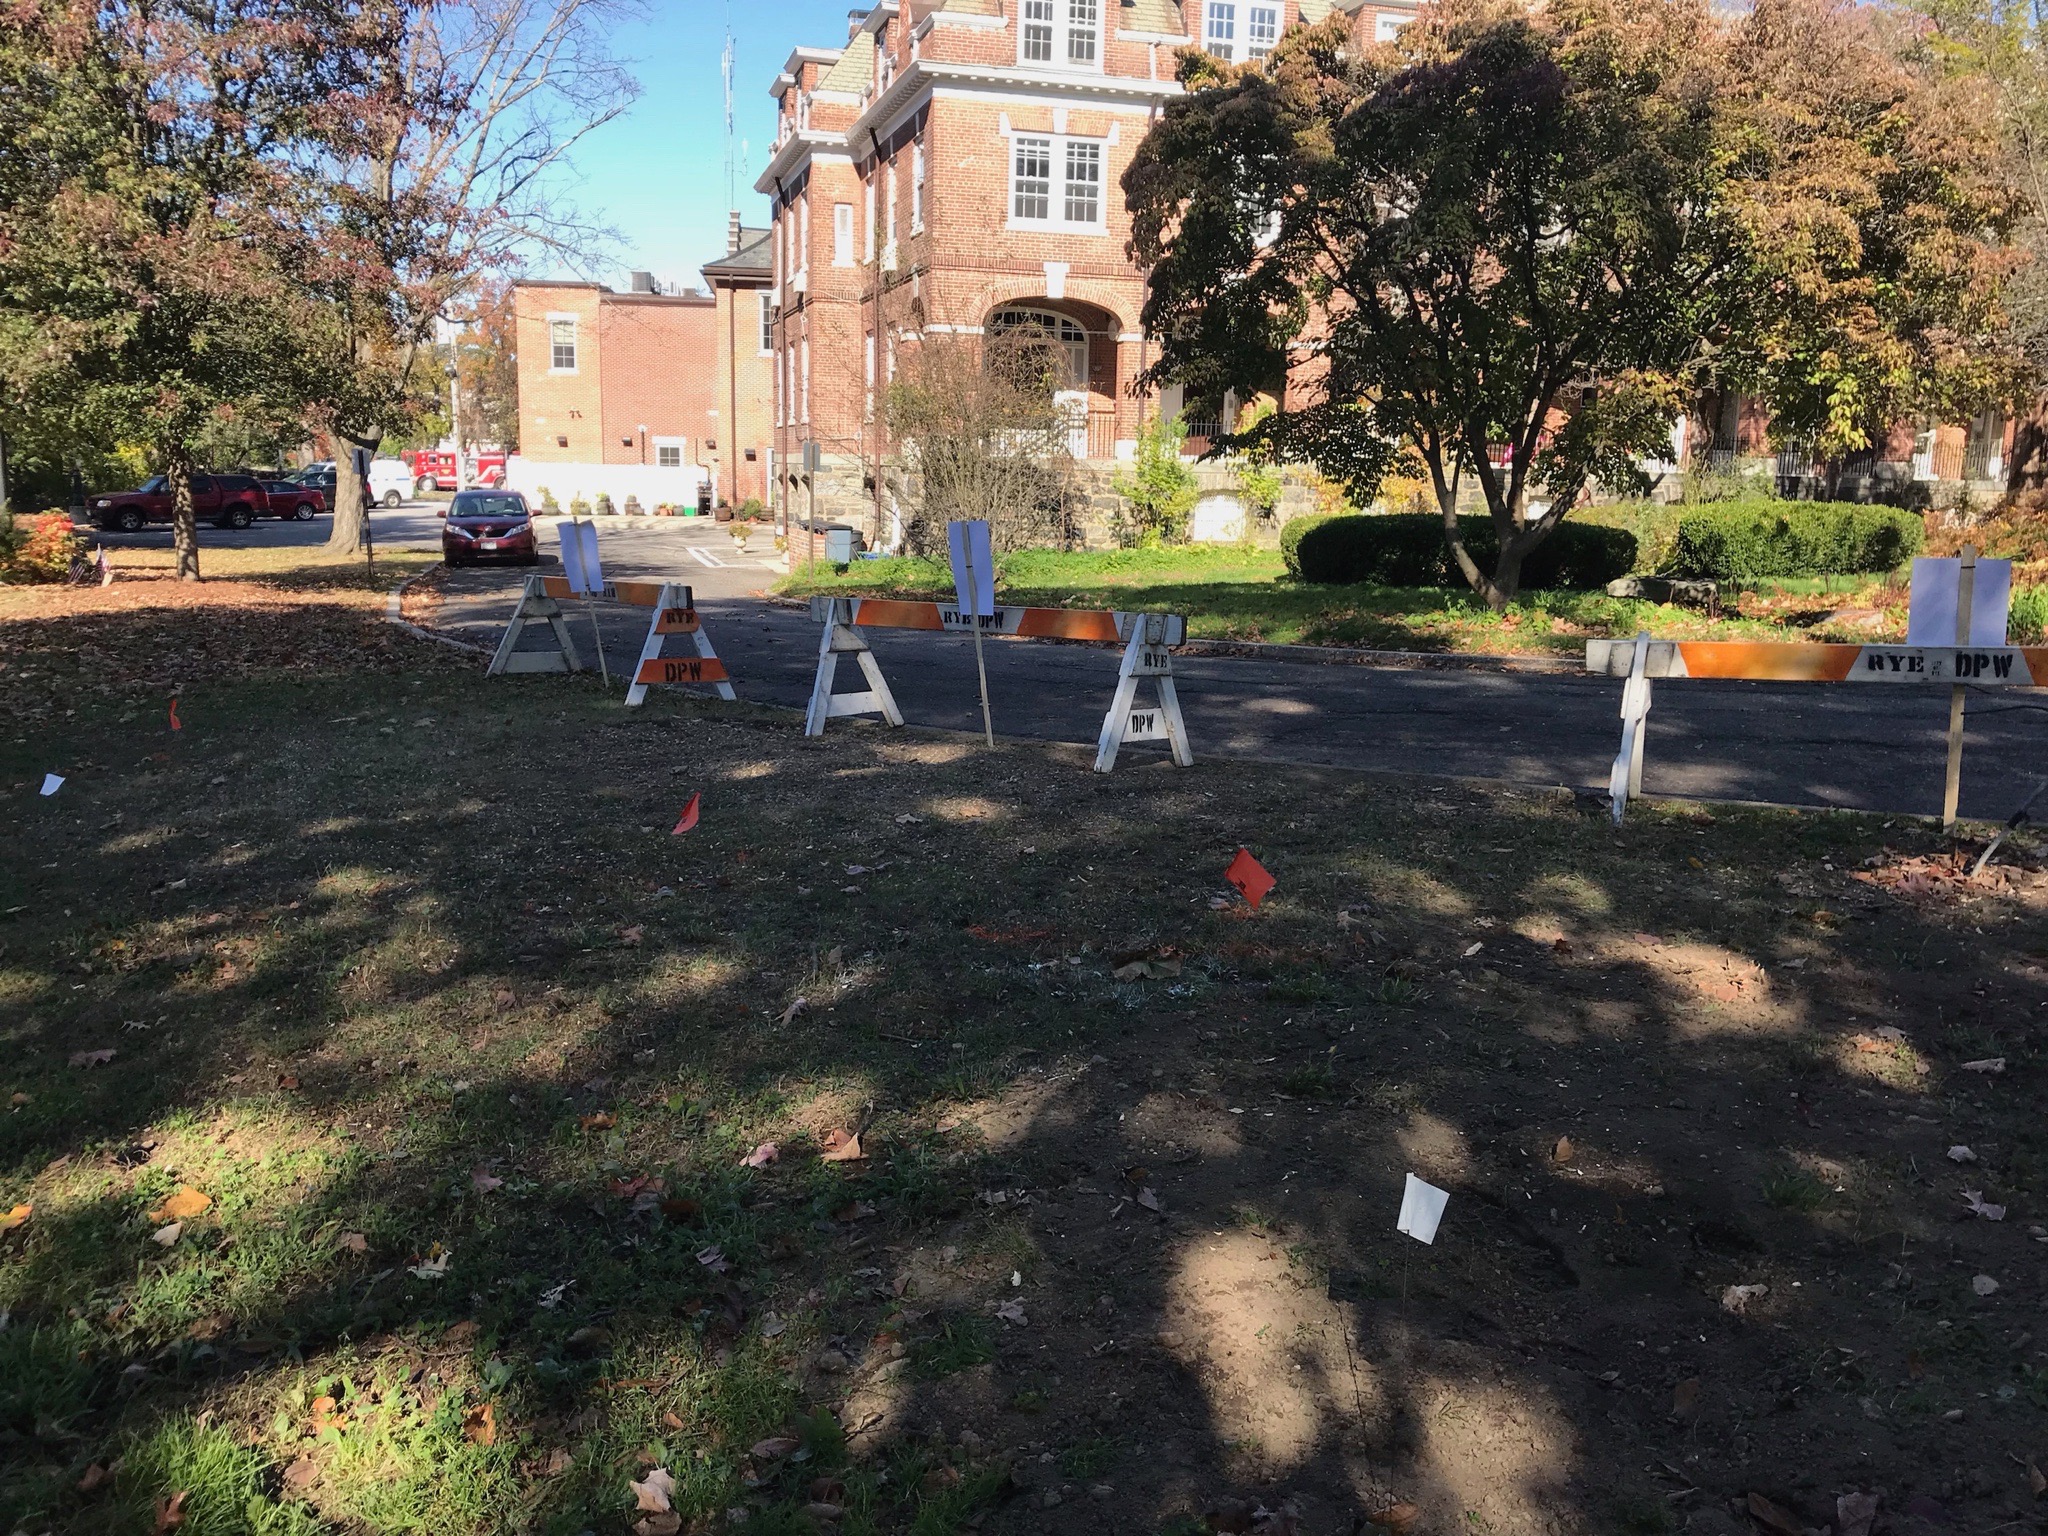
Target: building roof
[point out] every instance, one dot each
(1161, 17)
(754, 259)
(853, 69)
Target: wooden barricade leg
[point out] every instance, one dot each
(1145, 655)
(675, 612)
(535, 604)
(842, 639)
(1625, 780)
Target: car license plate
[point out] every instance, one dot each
(487, 544)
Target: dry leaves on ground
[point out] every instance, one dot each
(16, 1217)
(186, 1203)
(839, 1147)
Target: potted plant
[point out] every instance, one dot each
(633, 506)
(548, 502)
(665, 509)
(578, 507)
(604, 505)
(739, 533)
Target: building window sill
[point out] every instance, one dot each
(1054, 227)
(563, 373)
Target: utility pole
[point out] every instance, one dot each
(455, 411)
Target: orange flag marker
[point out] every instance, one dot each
(176, 725)
(1249, 876)
(689, 815)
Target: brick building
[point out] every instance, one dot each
(953, 167)
(604, 407)
(743, 448)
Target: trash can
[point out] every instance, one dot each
(839, 546)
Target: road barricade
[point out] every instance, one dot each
(1146, 639)
(1643, 661)
(675, 613)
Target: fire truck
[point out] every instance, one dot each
(434, 468)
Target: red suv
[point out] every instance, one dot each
(288, 498)
(489, 525)
(226, 501)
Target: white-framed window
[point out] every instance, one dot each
(775, 368)
(561, 343)
(1219, 29)
(916, 187)
(1084, 33)
(869, 375)
(804, 399)
(1056, 183)
(1261, 30)
(668, 452)
(890, 199)
(803, 234)
(1385, 27)
(767, 323)
(1035, 45)
(871, 217)
(842, 234)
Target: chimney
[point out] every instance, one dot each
(732, 232)
(640, 282)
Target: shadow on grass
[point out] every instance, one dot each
(469, 1055)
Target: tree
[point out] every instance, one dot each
(1515, 243)
(983, 438)
(148, 217)
(446, 175)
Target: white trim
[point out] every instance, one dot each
(1153, 37)
(906, 92)
(956, 19)
(1058, 146)
(953, 330)
(575, 323)
(681, 446)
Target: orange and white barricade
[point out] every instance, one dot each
(1643, 661)
(1146, 639)
(675, 613)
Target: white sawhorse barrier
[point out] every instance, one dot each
(1146, 639)
(675, 613)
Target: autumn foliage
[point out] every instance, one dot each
(35, 549)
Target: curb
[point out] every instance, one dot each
(394, 614)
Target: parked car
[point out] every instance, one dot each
(391, 480)
(489, 525)
(226, 501)
(292, 498)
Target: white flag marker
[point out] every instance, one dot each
(52, 782)
(1422, 1207)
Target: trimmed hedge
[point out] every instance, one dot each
(1408, 550)
(1747, 541)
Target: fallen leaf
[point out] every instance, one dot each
(597, 1122)
(558, 1462)
(680, 1208)
(1854, 1514)
(1685, 1398)
(16, 1217)
(841, 1148)
(688, 820)
(95, 1059)
(761, 1156)
(1398, 1518)
(94, 1476)
(772, 1327)
(1736, 1298)
(669, 1524)
(1149, 1200)
(325, 1417)
(1974, 1199)
(792, 1010)
(1989, 1065)
(632, 935)
(1471, 951)
(1772, 1517)
(655, 1492)
(1149, 968)
(1562, 1152)
(164, 1236)
(1961, 1155)
(354, 1242)
(1983, 1285)
(774, 1448)
(483, 1183)
(480, 1425)
(287, 1083)
(1012, 1312)
(186, 1203)
(433, 1267)
(19, 1100)
(170, 1513)
(714, 1259)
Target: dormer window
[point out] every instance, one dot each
(1232, 29)
(1063, 33)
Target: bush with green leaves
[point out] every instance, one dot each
(1291, 537)
(1159, 489)
(2027, 620)
(1753, 540)
(1409, 550)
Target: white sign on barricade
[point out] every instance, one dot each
(1146, 638)
(580, 562)
(974, 578)
(1936, 602)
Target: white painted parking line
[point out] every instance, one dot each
(704, 556)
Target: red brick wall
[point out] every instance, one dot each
(660, 371)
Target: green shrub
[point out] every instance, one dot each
(1654, 523)
(1290, 537)
(1747, 541)
(1408, 550)
(2027, 620)
(1159, 489)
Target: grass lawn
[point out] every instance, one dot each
(407, 1133)
(1231, 593)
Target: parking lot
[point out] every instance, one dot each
(414, 525)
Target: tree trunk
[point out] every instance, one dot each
(350, 531)
(184, 522)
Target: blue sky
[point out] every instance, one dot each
(657, 174)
